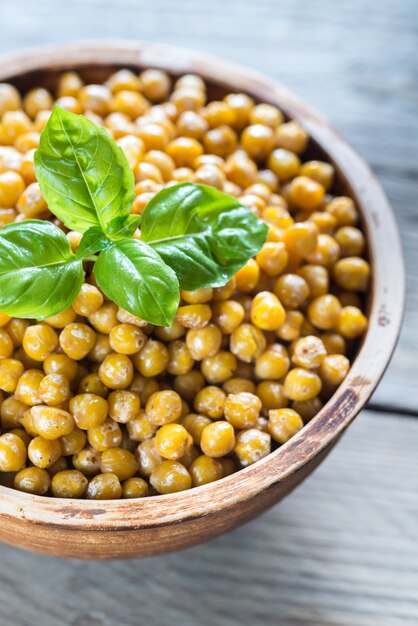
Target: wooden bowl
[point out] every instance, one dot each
(131, 528)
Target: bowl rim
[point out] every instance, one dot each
(385, 314)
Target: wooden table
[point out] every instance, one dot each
(343, 549)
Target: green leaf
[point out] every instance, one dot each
(203, 234)
(120, 228)
(92, 241)
(135, 277)
(39, 275)
(83, 174)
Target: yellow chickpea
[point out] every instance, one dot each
(283, 424)
(267, 311)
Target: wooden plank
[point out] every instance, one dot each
(341, 61)
(340, 551)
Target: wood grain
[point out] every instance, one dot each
(341, 551)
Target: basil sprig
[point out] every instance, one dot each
(192, 236)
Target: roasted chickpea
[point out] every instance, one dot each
(44, 452)
(32, 480)
(10, 372)
(203, 342)
(258, 141)
(227, 315)
(123, 405)
(188, 385)
(104, 487)
(116, 371)
(105, 318)
(39, 341)
(9, 98)
(283, 424)
(141, 427)
(127, 339)
(194, 315)
(120, 462)
(134, 487)
(52, 422)
(252, 445)
(351, 322)
(173, 441)
(87, 461)
(152, 360)
(76, 340)
(181, 360)
(106, 435)
(88, 300)
(267, 311)
(73, 443)
(62, 319)
(12, 453)
(88, 410)
(163, 407)
(54, 389)
(69, 484)
(242, 409)
(301, 384)
(309, 352)
(170, 477)
(204, 470)
(247, 342)
(324, 311)
(219, 367)
(218, 439)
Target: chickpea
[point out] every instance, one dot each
(242, 409)
(87, 461)
(88, 300)
(351, 322)
(267, 311)
(104, 487)
(247, 342)
(301, 238)
(170, 477)
(218, 439)
(88, 410)
(181, 360)
(39, 341)
(152, 360)
(344, 211)
(10, 372)
(194, 315)
(69, 484)
(273, 363)
(76, 340)
(291, 136)
(301, 384)
(52, 422)
(106, 435)
(32, 480)
(60, 320)
(324, 311)
(352, 274)
(116, 371)
(227, 315)
(73, 443)
(204, 470)
(9, 98)
(120, 462)
(123, 405)
(283, 424)
(251, 446)
(173, 441)
(203, 342)
(141, 427)
(54, 389)
(258, 141)
(12, 453)
(127, 339)
(163, 407)
(188, 385)
(219, 367)
(134, 487)
(44, 452)
(309, 352)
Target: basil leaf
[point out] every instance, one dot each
(84, 176)
(123, 227)
(92, 241)
(205, 235)
(39, 275)
(135, 277)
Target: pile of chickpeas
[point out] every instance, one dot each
(97, 403)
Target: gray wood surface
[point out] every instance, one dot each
(342, 550)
